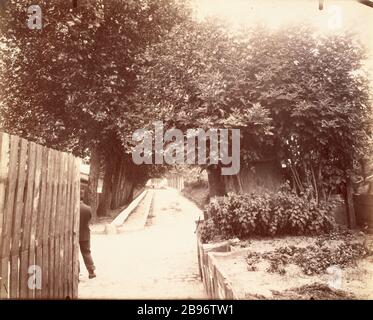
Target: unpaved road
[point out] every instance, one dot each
(158, 262)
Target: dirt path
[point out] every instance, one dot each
(158, 262)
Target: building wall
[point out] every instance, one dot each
(259, 177)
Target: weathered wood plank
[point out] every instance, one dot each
(17, 220)
(41, 211)
(72, 221)
(26, 222)
(4, 159)
(58, 229)
(53, 224)
(76, 228)
(46, 226)
(35, 211)
(71, 226)
(8, 213)
(4, 165)
(62, 228)
(60, 201)
(68, 233)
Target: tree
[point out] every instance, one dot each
(295, 94)
(319, 101)
(69, 85)
(194, 79)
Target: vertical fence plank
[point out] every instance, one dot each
(56, 224)
(26, 219)
(63, 227)
(52, 224)
(60, 201)
(76, 228)
(62, 215)
(8, 212)
(35, 210)
(40, 218)
(59, 226)
(70, 227)
(67, 233)
(4, 163)
(67, 229)
(46, 222)
(18, 212)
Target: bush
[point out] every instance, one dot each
(313, 259)
(281, 213)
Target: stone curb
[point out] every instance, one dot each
(216, 283)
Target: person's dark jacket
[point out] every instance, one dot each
(85, 218)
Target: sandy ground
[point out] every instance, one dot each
(157, 262)
(260, 284)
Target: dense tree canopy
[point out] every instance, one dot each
(96, 73)
(296, 94)
(70, 83)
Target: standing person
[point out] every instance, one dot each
(85, 238)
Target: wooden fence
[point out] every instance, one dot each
(176, 181)
(39, 221)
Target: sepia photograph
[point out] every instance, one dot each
(210, 152)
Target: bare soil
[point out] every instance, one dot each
(354, 281)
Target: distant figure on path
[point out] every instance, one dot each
(85, 238)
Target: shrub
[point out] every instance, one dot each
(208, 231)
(313, 259)
(281, 213)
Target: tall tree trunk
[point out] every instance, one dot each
(123, 180)
(90, 196)
(216, 182)
(115, 201)
(350, 204)
(130, 182)
(107, 188)
(123, 184)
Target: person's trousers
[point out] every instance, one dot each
(85, 249)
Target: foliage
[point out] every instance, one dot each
(193, 80)
(296, 94)
(313, 259)
(281, 213)
(70, 84)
